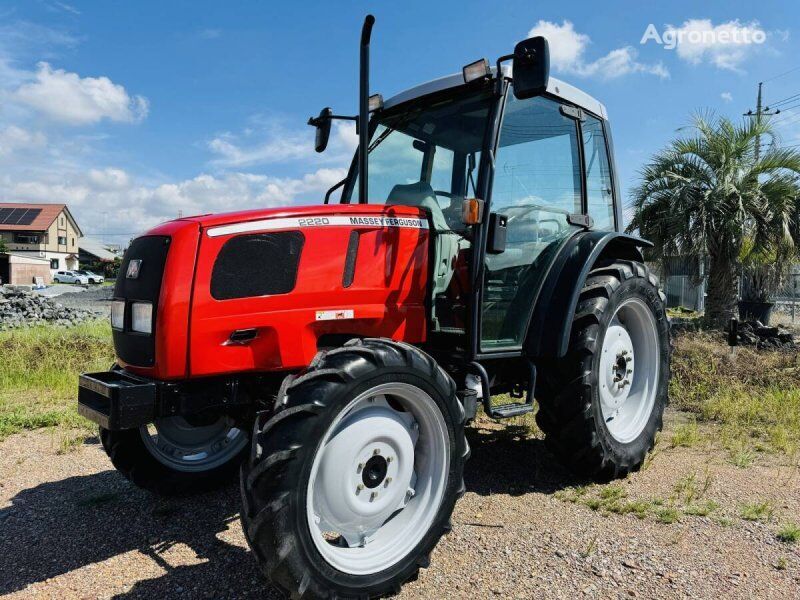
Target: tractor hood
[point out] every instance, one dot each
(294, 279)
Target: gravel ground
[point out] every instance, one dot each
(70, 527)
(95, 298)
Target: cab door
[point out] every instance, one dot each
(537, 185)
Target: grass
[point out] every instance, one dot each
(39, 376)
(757, 511)
(686, 435)
(668, 515)
(754, 396)
(789, 533)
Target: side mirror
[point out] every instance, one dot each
(531, 70)
(323, 125)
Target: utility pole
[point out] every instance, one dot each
(760, 112)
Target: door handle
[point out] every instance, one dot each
(241, 337)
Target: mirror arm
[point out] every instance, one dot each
(316, 121)
(499, 85)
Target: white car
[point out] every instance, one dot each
(92, 277)
(70, 277)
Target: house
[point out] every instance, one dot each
(37, 236)
(97, 256)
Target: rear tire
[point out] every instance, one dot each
(173, 468)
(601, 405)
(306, 513)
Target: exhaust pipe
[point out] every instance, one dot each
(363, 110)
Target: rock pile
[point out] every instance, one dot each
(755, 333)
(22, 308)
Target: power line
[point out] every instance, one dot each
(782, 74)
(785, 100)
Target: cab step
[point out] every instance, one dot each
(512, 409)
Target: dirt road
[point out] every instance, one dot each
(70, 527)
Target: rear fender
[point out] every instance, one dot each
(551, 322)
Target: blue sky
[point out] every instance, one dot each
(132, 112)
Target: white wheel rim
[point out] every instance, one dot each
(629, 370)
(181, 446)
(378, 479)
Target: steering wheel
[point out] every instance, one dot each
(542, 237)
(452, 212)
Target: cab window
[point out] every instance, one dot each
(599, 189)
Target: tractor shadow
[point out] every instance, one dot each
(507, 460)
(61, 526)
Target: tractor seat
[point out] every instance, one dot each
(419, 194)
(446, 241)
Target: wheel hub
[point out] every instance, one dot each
(374, 472)
(378, 478)
(627, 396)
(616, 367)
(193, 445)
(366, 472)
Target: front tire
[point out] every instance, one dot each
(174, 457)
(601, 406)
(352, 482)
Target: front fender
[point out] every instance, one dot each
(551, 320)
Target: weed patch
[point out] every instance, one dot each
(39, 370)
(757, 511)
(754, 395)
(789, 533)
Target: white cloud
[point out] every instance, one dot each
(111, 201)
(14, 139)
(726, 96)
(109, 178)
(725, 46)
(568, 48)
(68, 98)
(42, 161)
(272, 142)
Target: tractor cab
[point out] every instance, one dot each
(505, 181)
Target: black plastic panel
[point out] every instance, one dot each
(260, 264)
(137, 348)
(115, 400)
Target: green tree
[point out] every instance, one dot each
(708, 191)
(3, 247)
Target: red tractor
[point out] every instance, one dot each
(334, 353)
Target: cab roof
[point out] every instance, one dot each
(555, 87)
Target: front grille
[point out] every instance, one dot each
(151, 250)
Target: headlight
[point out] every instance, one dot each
(118, 314)
(142, 317)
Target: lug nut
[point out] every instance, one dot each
(376, 451)
(359, 487)
(360, 467)
(388, 481)
(372, 496)
(389, 459)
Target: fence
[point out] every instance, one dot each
(680, 291)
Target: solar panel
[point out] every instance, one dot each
(18, 216)
(29, 216)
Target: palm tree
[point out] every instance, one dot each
(709, 191)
